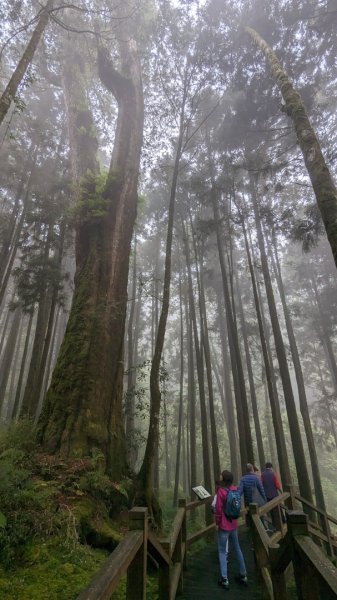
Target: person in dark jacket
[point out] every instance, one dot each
(248, 483)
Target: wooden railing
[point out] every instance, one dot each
(131, 555)
(292, 549)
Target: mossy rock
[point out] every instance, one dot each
(94, 525)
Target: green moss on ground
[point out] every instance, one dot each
(59, 519)
(49, 570)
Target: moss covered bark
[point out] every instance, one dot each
(322, 182)
(83, 408)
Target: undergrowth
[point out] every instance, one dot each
(58, 519)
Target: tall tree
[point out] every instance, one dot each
(83, 407)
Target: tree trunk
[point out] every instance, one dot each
(207, 354)
(146, 471)
(322, 183)
(242, 413)
(200, 373)
(17, 400)
(26, 59)
(181, 396)
(295, 432)
(300, 385)
(83, 408)
(7, 358)
(253, 397)
(191, 423)
(131, 378)
(232, 437)
(269, 370)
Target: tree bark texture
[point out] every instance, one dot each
(83, 409)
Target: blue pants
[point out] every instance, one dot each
(223, 537)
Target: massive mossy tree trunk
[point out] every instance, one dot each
(11, 89)
(83, 409)
(323, 185)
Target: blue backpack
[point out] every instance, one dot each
(232, 506)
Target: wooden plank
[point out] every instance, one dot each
(322, 565)
(319, 510)
(107, 578)
(197, 536)
(318, 533)
(176, 527)
(175, 576)
(197, 503)
(267, 581)
(280, 555)
(156, 549)
(273, 503)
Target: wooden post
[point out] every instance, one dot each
(182, 504)
(277, 576)
(165, 573)
(305, 574)
(136, 577)
(290, 502)
(260, 554)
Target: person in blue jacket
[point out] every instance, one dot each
(248, 483)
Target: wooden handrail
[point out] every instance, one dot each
(176, 527)
(313, 570)
(265, 508)
(107, 578)
(316, 508)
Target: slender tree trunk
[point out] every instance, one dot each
(8, 354)
(181, 396)
(322, 183)
(269, 371)
(7, 266)
(200, 373)
(26, 59)
(146, 471)
(131, 380)
(232, 438)
(295, 432)
(242, 413)
(191, 421)
(207, 354)
(327, 404)
(14, 371)
(253, 397)
(17, 400)
(300, 385)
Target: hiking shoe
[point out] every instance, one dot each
(223, 582)
(242, 579)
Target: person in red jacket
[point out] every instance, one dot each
(272, 488)
(227, 531)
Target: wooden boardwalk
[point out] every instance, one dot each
(201, 577)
